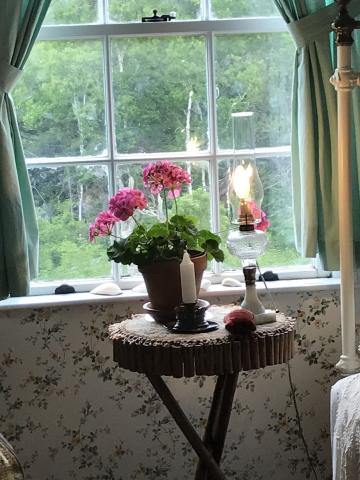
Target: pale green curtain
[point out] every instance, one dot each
(314, 129)
(20, 21)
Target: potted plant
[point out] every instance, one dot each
(157, 249)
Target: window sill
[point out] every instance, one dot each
(281, 286)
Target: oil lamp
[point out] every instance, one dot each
(245, 194)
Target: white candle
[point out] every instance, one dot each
(187, 275)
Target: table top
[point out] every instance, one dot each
(145, 346)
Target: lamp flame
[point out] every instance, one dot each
(241, 180)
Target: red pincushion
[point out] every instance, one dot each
(240, 321)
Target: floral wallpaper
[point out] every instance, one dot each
(71, 413)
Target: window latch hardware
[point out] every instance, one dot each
(157, 18)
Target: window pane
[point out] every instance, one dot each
(131, 11)
(60, 100)
(160, 94)
(67, 200)
(254, 73)
(194, 199)
(241, 8)
(275, 175)
(63, 12)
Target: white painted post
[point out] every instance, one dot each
(344, 81)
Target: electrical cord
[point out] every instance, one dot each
(298, 420)
(266, 287)
(292, 389)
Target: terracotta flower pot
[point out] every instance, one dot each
(162, 280)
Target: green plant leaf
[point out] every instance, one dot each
(183, 221)
(158, 230)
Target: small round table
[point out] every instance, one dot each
(144, 346)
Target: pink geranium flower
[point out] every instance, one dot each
(162, 175)
(102, 226)
(126, 201)
(264, 223)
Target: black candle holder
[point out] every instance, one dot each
(190, 318)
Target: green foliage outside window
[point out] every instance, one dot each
(160, 100)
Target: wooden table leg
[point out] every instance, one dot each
(188, 430)
(218, 421)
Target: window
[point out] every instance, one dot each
(103, 94)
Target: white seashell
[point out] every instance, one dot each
(205, 284)
(268, 316)
(230, 282)
(109, 288)
(141, 288)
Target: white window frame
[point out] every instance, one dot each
(207, 28)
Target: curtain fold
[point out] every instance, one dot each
(314, 130)
(20, 22)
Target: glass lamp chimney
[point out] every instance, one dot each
(245, 192)
(243, 131)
